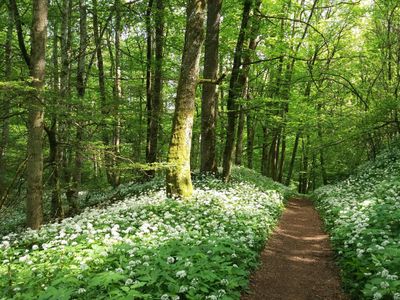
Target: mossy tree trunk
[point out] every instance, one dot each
(179, 183)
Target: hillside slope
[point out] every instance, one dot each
(362, 215)
(148, 246)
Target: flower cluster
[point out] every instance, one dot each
(362, 215)
(147, 246)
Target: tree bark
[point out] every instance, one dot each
(115, 180)
(52, 134)
(72, 194)
(179, 183)
(154, 87)
(105, 109)
(34, 169)
(239, 140)
(65, 89)
(250, 139)
(208, 163)
(293, 159)
(265, 152)
(234, 92)
(150, 154)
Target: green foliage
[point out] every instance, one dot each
(362, 215)
(147, 246)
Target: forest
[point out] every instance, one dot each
(150, 148)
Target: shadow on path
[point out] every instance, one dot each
(297, 263)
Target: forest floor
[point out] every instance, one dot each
(298, 262)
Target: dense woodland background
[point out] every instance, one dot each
(302, 91)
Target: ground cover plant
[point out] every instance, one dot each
(147, 246)
(362, 215)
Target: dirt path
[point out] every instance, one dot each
(297, 263)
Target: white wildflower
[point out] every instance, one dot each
(181, 274)
(170, 260)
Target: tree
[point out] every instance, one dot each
(179, 182)
(34, 169)
(235, 89)
(154, 82)
(4, 135)
(209, 105)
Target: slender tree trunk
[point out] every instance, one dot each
(57, 210)
(117, 98)
(179, 183)
(105, 109)
(322, 157)
(65, 90)
(250, 139)
(208, 162)
(154, 96)
(234, 92)
(158, 77)
(293, 159)
(282, 157)
(34, 169)
(150, 154)
(303, 180)
(239, 140)
(6, 107)
(52, 133)
(250, 126)
(265, 153)
(81, 89)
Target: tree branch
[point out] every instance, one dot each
(212, 81)
(20, 33)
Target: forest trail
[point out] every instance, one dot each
(297, 263)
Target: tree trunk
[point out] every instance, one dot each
(65, 89)
(150, 154)
(6, 107)
(322, 157)
(158, 79)
(52, 132)
(239, 140)
(282, 158)
(57, 210)
(179, 183)
(208, 163)
(234, 92)
(34, 169)
(154, 88)
(255, 28)
(115, 180)
(265, 153)
(250, 139)
(293, 159)
(105, 109)
(303, 180)
(72, 194)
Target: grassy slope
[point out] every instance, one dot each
(147, 246)
(362, 215)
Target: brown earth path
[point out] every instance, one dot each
(297, 263)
